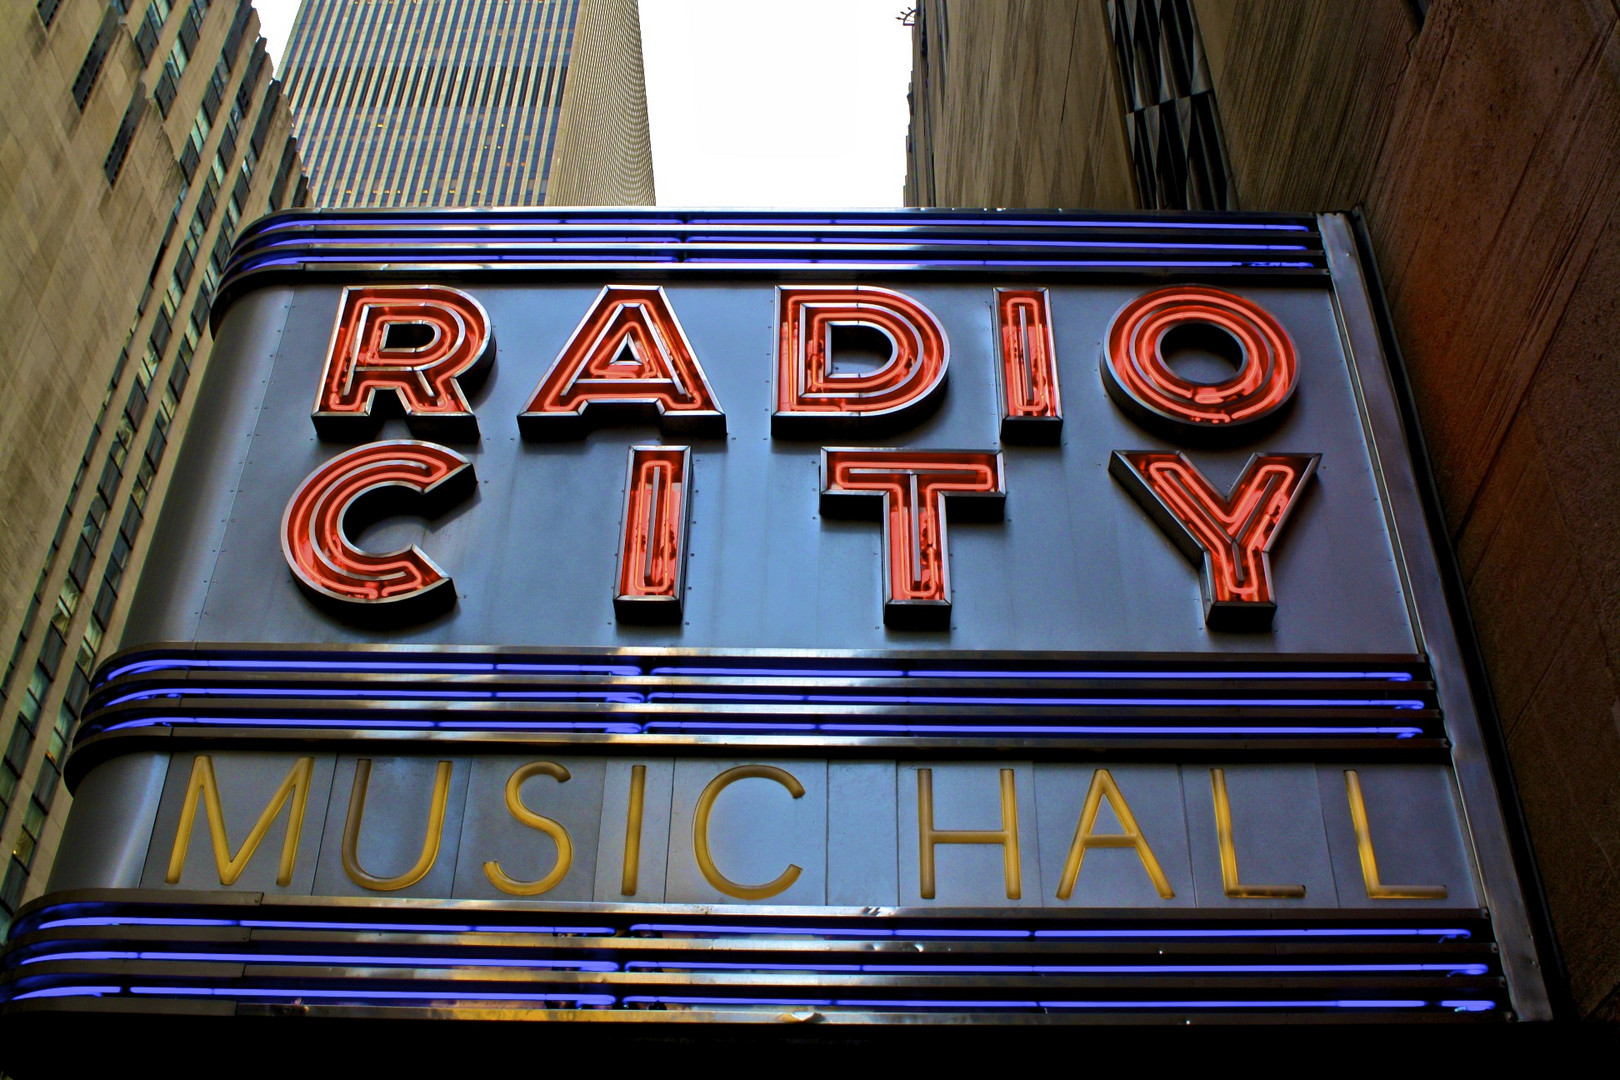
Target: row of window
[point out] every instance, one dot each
(90, 70)
(174, 66)
(145, 395)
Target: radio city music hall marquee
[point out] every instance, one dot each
(681, 620)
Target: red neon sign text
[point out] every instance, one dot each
(1229, 535)
(1026, 372)
(341, 495)
(628, 352)
(808, 390)
(1136, 374)
(414, 343)
(652, 555)
(913, 485)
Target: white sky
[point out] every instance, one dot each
(762, 102)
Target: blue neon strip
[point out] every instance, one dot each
(66, 991)
(411, 666)
(1008, 674)
(483, 223)
(909, 1003)
(324, 959)
(617, 697)
(839, 245)
(294, 924)
(1068, 969)
(1469, 1005)
(681, 696)
(608, 726)
(621, 727)
(1146, 933)
(359, 994)
(653, 726)
(435, 257)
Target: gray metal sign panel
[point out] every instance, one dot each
(1074, 565)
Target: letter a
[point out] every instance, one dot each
(629, 352)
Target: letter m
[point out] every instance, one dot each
(203, 785)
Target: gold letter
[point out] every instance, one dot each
(700, 831)
(1103, 787)
(928, 836)
(1376, 890)
(565, 846)
(430, 842)
(632, 831)
(294, 787)
(1229, 867)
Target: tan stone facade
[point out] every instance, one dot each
(137, 137)
(1479, 140)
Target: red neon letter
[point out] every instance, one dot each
(808, 391)
(414, 343)
(1229, 535)
(652, 558)
(628, 351)
(1031, 409)
(335, 498)
(1139, 379)
(913, 485)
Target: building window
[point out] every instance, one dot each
(47, 10)
(90, 70)
(126, 133)
(1171, 118)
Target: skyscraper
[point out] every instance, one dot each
(137, 137)
(471, 102)
(1478, 141)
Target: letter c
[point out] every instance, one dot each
(700, 832)
(324, 509)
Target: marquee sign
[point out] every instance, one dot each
(716, 618)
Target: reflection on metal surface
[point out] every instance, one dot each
(204, 785)
(415, 344)
(809, 392)
(1103, 787)
(1377, 890)
(1026, 372)
(629, 352)
(358, 484)
(700, 832)
(859, 964)
(1232, 883)
(515, 807)
(652, 548)
(1006, 836)
(430, 841)
(913, 485)
(1230, 536)
(1136, 373)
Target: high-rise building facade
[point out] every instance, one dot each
(137, 137)
(448, 103)
(1478, 141)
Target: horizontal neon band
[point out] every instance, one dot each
(1067, 969)
(678, 696)
(363, 994)
(321, 958)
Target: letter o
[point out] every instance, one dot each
(1136, 375)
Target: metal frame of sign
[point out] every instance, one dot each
(106, 940)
